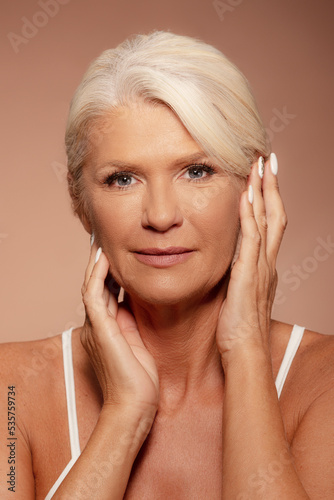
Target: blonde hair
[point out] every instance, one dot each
(208, 93)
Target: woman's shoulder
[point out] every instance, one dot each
(36, 367)
(315, 353)
(31, 365)
(312, 370)
(316, 346)
(31, 373)
(314, 362)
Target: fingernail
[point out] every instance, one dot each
(261, 166)
(92, 238)
(250, 194)
(273, 163)
(98, 253)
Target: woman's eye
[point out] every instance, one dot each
(199, 171)
(119, 179)
(124, 180)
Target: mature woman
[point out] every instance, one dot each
(168, 392)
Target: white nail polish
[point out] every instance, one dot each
(273, 163)
(98, 253)
(261, 166)
(92, 238)
(250, 194)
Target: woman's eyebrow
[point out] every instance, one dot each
(187, 159)
(200, 155)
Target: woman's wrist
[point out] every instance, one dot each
(244, 353)
(133, 409)
(134, 422)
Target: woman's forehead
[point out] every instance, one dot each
(142, 130)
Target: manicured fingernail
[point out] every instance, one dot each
(98, 253)
(250, 194)
(92, 238)
(261, 166)
(273, 163)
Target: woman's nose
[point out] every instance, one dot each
(161, 209)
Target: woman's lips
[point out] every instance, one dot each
(163, 257)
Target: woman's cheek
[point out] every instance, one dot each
(207, 198)
(113, 213)
(220, 226)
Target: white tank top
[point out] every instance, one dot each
(290, 352)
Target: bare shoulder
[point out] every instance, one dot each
(315, 355)
(23, 362)
(307, 408)
(32, 402)
(314, 367)
(34, 369)
(311, 375)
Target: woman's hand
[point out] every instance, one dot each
(125, 369)
(245, 314)
(252, 424)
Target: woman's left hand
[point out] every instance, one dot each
(245, 314)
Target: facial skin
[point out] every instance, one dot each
(161, 196)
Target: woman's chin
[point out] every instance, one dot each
(171, 295)
(157, 296)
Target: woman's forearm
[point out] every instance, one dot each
(256, 459)
(108, 456)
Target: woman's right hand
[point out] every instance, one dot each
(126, 371)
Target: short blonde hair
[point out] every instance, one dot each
(207, 92)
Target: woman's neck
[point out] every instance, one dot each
(182, 340)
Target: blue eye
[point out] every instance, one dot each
(121, 179)
(124, 180)
(199, 171)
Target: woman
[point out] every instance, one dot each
(170, 393)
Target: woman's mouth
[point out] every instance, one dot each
(163, 257)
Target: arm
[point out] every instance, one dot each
(129, 383)
(108, 457)
(253, 432)
(257, 462)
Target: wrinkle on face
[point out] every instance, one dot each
(162, 209)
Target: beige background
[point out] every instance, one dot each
(285, 48)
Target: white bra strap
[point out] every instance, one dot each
(290, 352)
(70, 394)
(61, 478)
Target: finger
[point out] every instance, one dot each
(99, 303)
(275, 211)
(251, 239)
(129, 328)
(255, 180)
(90, 265)
(237, 249)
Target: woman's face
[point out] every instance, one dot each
(164, 214)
